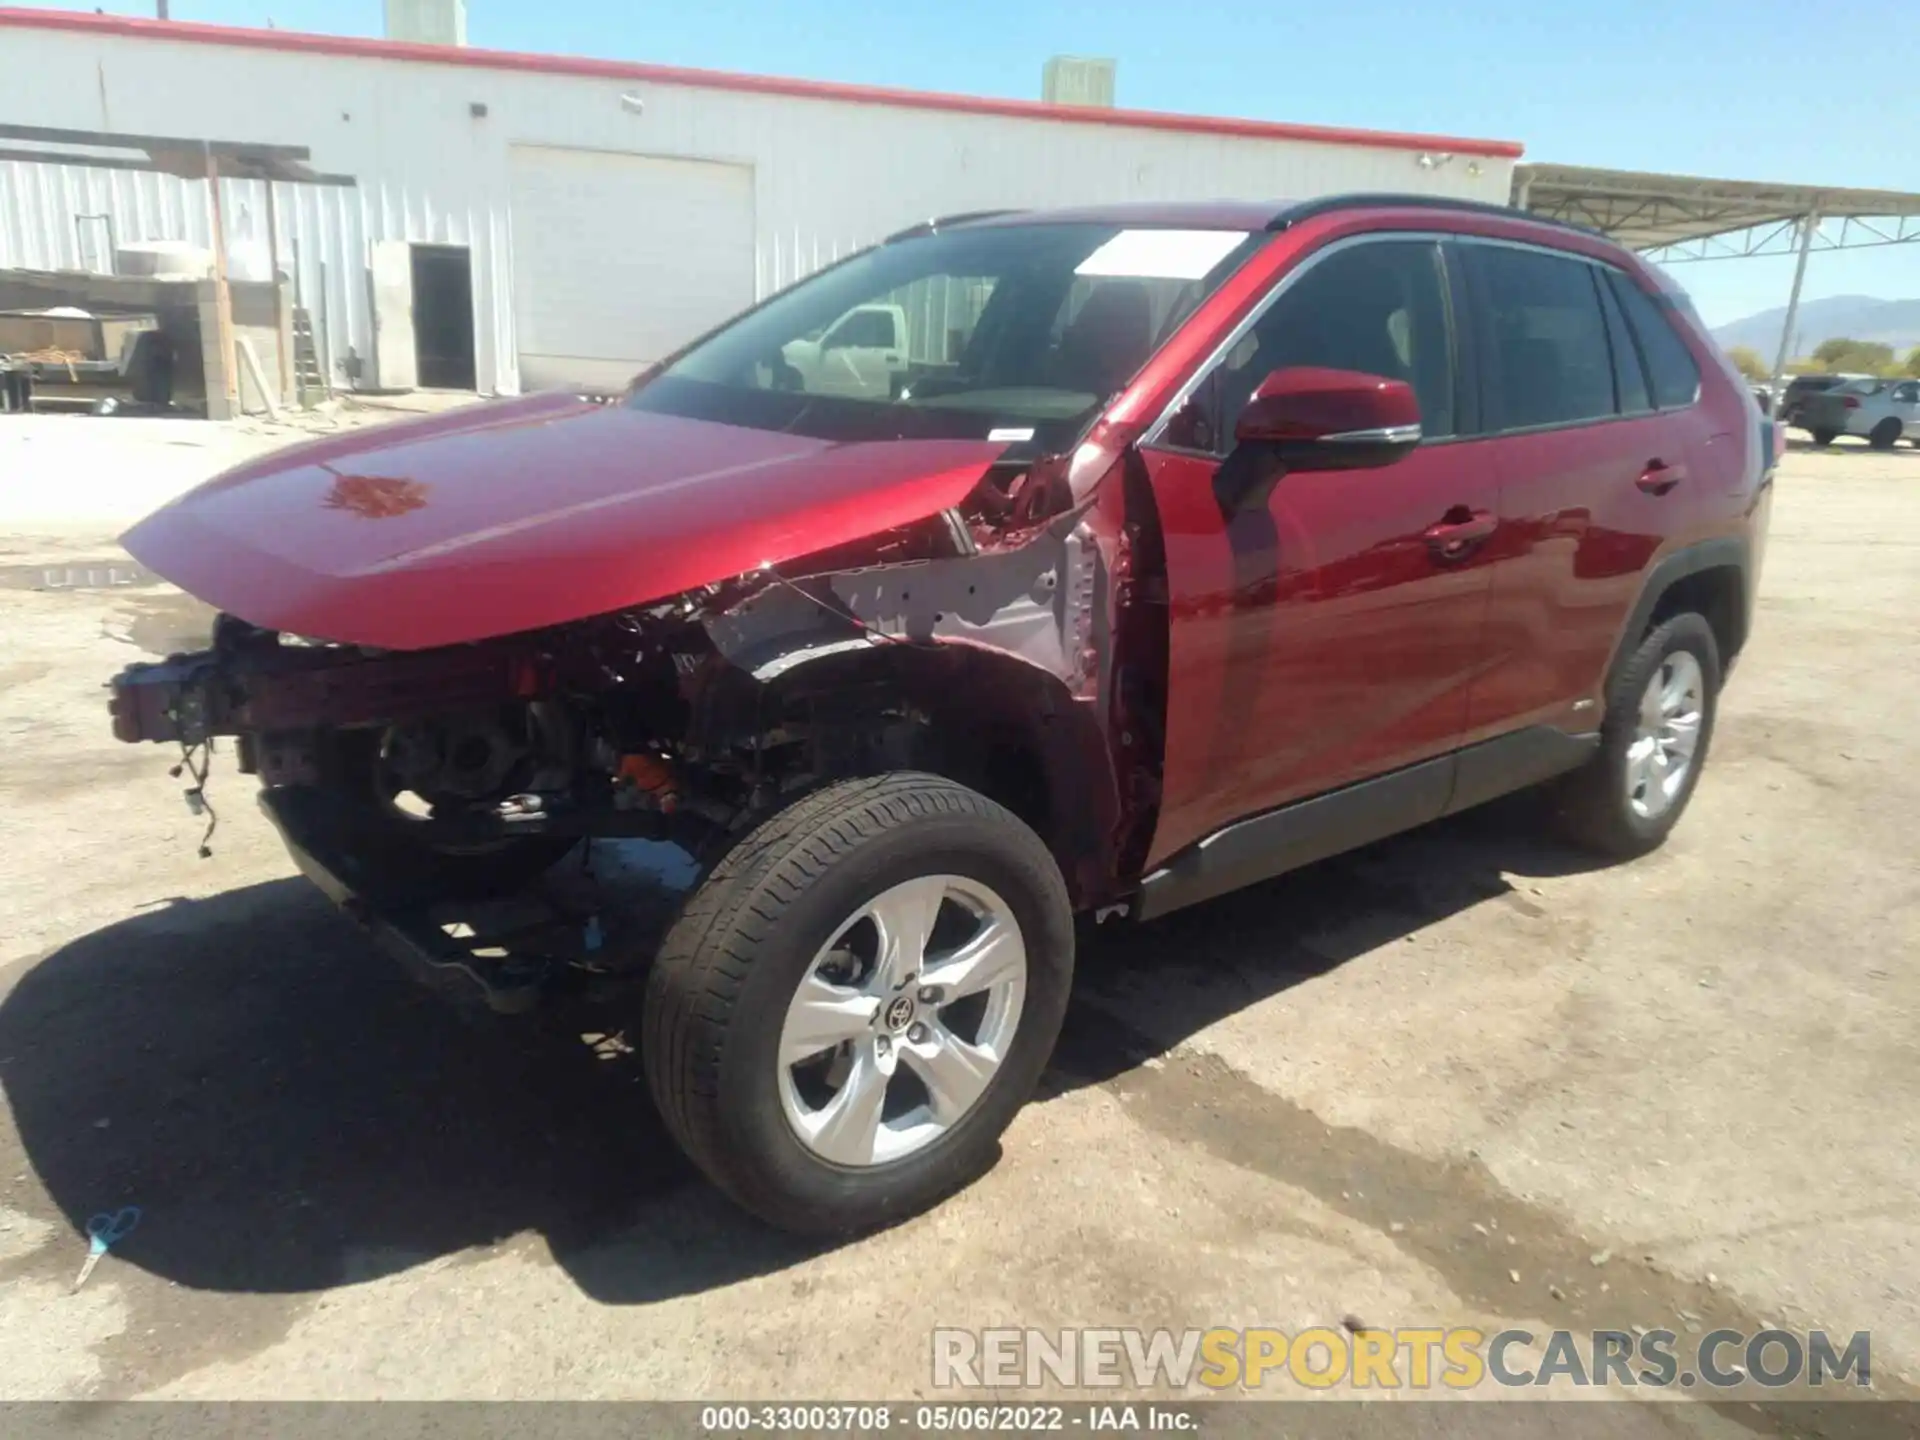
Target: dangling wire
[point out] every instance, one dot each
(197, 761)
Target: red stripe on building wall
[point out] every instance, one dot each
(292, 42)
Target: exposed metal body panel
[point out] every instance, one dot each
(429, 133)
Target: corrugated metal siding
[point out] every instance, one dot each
(830, 175)
(941, 312)
(324, 235)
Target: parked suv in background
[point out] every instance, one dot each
(1197, 542)
(1880, 410)
(1802, 388)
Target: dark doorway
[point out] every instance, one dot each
(443, 316)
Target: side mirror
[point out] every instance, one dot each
(1309, 418)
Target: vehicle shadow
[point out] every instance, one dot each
(292, 1113)
(1197, 966)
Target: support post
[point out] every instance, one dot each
(323, 341)
(229, 378)
(1809, 223)
(279, 309)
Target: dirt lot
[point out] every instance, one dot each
(1430, 1083)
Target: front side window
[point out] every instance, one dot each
(1378, 307)
(1022, 332)
(1543, 336)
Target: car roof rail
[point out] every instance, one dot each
(945, 222)
(1307, 209)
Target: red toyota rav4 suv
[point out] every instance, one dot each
(1023, 564)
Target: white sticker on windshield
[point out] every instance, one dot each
(1010, 435)
(1161, 254)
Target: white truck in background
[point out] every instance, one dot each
(859, 355)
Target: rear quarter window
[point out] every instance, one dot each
(1629, 370)
(1671, 370)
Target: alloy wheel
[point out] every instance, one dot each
(1662, 753)
(901, 1020)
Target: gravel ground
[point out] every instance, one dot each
(1459, 1078)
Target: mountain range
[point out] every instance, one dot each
(1852, 317)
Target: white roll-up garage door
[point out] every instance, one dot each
(620, 259)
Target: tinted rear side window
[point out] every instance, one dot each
(1543, 336)
(1670, 365)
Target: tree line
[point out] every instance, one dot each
(1832, 357)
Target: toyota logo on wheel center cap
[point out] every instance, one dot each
(899, 1013)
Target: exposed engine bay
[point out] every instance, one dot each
(400, 778)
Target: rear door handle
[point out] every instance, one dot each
(1659, 477)
(1459, 533)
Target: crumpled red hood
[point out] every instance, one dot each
(514, 515)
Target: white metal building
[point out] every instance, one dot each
(600, 212)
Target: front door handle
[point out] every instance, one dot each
(1459, 533)
(1659, 477)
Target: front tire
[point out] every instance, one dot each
(856, 1002)
(1660, 713)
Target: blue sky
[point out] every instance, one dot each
(1748, 89)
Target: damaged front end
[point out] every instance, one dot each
(977, 643)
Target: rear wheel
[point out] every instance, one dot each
(857, 1001)
(1824, 437)
(1653, 743)
(1882, 436)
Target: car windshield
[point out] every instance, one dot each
(1006, 332)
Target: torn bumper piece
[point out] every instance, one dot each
(170, 700)
(410, 933)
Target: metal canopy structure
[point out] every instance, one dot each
(1684, 217)
(1678, 218)
(164, 154)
